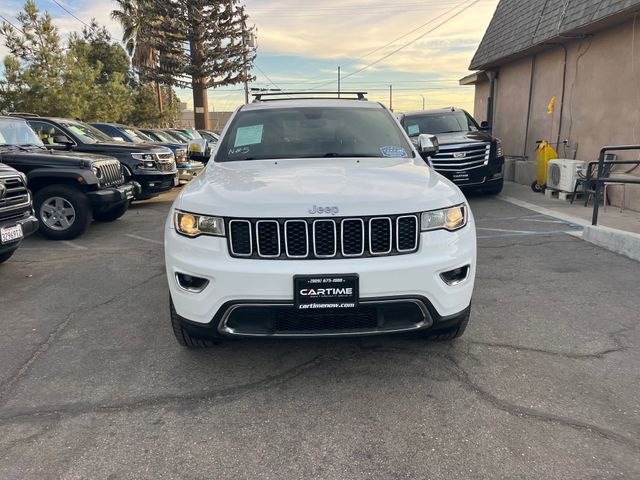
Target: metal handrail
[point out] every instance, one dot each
(600, 180)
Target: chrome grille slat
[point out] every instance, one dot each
(380, 221)
(323, 238)
(261, 239)
(318, 241)
(16, 195)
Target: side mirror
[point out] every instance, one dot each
(62, 140)
(428, 144)
(484, 125)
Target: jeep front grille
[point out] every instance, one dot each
(110, 173)
(323, 238)
(16, 195)
(461, 156)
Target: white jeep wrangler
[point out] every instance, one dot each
(318, 217)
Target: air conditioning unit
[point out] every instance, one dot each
(562, 173)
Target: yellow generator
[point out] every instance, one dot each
(545, 152)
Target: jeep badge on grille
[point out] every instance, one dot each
(318, 210)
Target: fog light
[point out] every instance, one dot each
(454, 277)
(190, 283)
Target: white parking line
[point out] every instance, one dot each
(74, 245)
(144, 239)
(504, 230)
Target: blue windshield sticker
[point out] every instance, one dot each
(248, 135)
(394, 152)
(413, 130)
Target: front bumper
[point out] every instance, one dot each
(190, 170)
(108, 198)
(29, 224)
(477, 177)
(154, 184)
(233, 281)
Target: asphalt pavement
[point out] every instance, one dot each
(543, 385)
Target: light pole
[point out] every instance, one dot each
(423, 101)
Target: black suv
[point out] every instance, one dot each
(16, 213)
(70, 189)
(152, 166)
(468, 156)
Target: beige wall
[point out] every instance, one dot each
(601, 102)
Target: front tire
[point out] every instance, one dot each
(64, 212)
(6, 256)
(111, 215)
(186, 338)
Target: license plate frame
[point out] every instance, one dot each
(11, 234)
(326, 291)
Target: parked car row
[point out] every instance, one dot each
(58, 175)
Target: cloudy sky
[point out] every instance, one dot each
(421, 47)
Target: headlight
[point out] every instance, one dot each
(148, 160)
(181, 153)
(193, 225)
(96, 172)
(499, 151)
(452, 218)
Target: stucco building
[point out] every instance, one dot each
(586, 53)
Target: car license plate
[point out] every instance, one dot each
(11, 234)
(325, 291)
(460, 177)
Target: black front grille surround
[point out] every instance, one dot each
(323, 238)
(110, 174)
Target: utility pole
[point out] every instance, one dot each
(423, 102)
(338, 81)
(391, 97)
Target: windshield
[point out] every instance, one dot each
(136, 135)
(191, 134)
(444, 122)
(160, 136)
(179, 136)
(86, 133)
(14, 131)
(313, 132)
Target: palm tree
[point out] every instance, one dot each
(134, 17)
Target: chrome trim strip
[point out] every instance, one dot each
(250, 239)
(426, 322)
(415, 244)
(306, 238)
(190, 290)
(390, 236)
(258, 237)
(342, 237)
(335, 239)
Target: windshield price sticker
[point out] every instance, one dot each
(248, 135)
(413, 130)
(394, 152)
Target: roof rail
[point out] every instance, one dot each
(21, 114)
(259, 96)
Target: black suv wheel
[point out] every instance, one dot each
(6, 256)
(64, 212)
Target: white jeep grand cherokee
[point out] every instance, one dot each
(318, 217)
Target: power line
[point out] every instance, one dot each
(406, 44)
(265, 75)
(400, 37)
(70, 13)
(11, 24)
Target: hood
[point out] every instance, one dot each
(62, 158)
(463, 137)
(290, 188)
(7, 170)
(129, 147)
